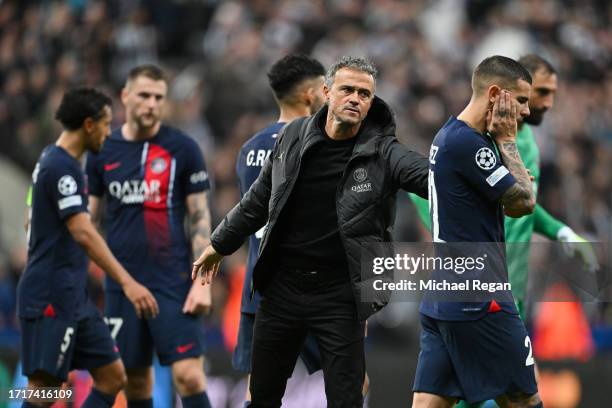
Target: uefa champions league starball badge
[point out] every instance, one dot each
(485, 158)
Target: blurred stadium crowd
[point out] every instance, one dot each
(217, 53)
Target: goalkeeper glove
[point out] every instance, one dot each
(574, 243)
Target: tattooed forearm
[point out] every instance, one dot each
(514, 163)
(199, 222)
(520, 197)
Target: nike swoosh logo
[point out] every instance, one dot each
(111, 166)
(185, 348)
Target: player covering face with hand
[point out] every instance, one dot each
(519, 231)
(477, 176)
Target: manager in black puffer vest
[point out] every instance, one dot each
(328, 188)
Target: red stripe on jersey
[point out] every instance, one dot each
(157, 177)
(156, 217)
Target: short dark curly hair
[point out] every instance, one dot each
(80, 104)
(498, 69)
(290, 71)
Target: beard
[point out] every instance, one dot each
(317, 104)
(535, 117)
(147, 121)
(347, 120)
(94, 146)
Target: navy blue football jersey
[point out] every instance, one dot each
(466, 181)
(251, 159)
(56, 272)
(145, 185)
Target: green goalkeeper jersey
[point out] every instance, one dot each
(517, 230)
(521, 229)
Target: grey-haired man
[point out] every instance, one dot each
(328, 188)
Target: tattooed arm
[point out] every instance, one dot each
(199, 221)
(199, 298)
(519, 199)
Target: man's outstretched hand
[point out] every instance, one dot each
(207, 265)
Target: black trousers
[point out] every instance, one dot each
(298, 302)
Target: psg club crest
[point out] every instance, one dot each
(158, 165)
(485, 158)
(360, 175)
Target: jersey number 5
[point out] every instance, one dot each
(67, 338)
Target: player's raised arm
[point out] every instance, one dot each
(409, 169)
(519, 199)
(249, 215)
(86, 235)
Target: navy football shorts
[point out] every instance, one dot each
(56, 346)
(475, 360)
(241, 359)
(173, 334)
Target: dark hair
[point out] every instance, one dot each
(290, 71)
(533, 63)
(356, 63)
(147, 70)
(80, 104)
(499, 70)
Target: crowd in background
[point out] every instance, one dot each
(217, 53)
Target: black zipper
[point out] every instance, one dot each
(338, 190)
(282, 193)
(340, 230)
(297, 173)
